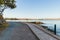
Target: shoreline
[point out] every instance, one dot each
(45, 27)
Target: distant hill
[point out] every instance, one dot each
(31, 19)
(21, 19)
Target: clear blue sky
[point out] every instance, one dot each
(34, 9)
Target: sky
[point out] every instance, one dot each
(34, 9)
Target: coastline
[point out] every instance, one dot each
(44, 30)
(45, 27)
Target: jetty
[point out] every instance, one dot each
(42, 33)
(26, 31)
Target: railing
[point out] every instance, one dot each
(52, 28)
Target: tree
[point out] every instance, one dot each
(4, 4)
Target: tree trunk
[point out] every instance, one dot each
(3, 23)
(2, 20)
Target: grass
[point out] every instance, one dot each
(3, 26)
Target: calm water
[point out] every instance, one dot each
(48, 23)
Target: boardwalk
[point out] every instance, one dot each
(40, 34)
(17, 31)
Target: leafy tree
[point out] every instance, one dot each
(6, 4)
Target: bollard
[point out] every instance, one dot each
(55, 29)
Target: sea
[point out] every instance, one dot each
(49, 23)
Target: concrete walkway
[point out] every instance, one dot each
(40, 34)
(17, 31)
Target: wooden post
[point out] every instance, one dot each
(55, 29)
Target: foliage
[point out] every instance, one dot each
(3, 5)
(8, 3)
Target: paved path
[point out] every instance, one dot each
(40, 34)
(17, 31)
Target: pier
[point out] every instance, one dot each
(26, 31)
(42, 33)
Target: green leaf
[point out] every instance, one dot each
(1, 2)
(9, 3)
